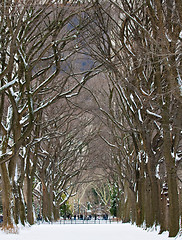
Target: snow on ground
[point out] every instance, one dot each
(112, 231)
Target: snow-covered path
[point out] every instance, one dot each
(84, 232)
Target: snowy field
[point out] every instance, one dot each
(112, 231)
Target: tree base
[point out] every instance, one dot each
(10, 229)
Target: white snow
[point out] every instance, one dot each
(157, 171)
(154, 114)
(180, 34)
(133, 100)
(180, 83)
(140, 116)
(168, 38)
(7, 85)
(115, 231)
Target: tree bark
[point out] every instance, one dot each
(16, 209)
(140, 205)
(29, 202)
(171, 175)
(6, 196)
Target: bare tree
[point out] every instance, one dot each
(36, 71)
(140, 51)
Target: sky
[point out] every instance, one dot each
(115, 231)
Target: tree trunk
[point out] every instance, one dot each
(6, 196)
(133, 207)
(56, 212)
(49, 206)
(126, 214)
(29, 202)
(16, 209)
(45, 203)
(149, 216)
(140, 206)
(164, 213)
(153, 199)
(120, 203)
(22, 206)
(171, 175)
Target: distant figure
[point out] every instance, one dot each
(39, 218)
(105, 217)
(1, 218)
